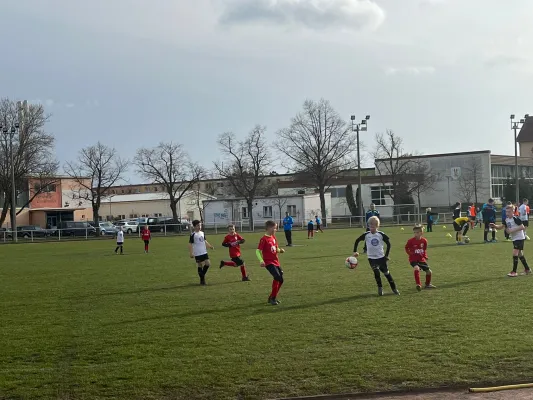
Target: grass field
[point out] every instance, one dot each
(78, 322)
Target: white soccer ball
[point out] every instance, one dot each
(351, 263)
(467, 239)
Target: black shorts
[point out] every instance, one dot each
(525, 223)
(274, 270)
(238, 261)
(317, 227)
(379, 264)
(310, 228)
(146, 242)
(120, 243)
(422, 265)
(518, 244)
(202, 258)
(456, 227)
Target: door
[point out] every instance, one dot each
(51, 222)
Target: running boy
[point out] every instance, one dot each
(318, 224)
(198, 250)
(515, 228)
(377, 256)
(146, 236)
(267, 253)
(416, 248)
(120, 241)
(310, 230)
(233, 241)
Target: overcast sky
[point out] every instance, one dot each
(444, 74)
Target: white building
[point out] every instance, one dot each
(152, 205)
(302, 207)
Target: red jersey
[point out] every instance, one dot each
(269, 250)
(234, 244)
(416, 248)
(146, 234)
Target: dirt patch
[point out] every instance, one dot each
(523, 394)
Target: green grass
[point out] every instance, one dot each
(78, 322)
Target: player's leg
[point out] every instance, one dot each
(206, 266)
(200, 266)
(227, 263)
(486, 232)
(385, 269)
(146, 245)
(121, 248)
(377, 275)
(277, 274)
(116, 248)
(527, 269)
(424, 267)
(240, 263)
(516, 252)
(493, 231)
(416, 271)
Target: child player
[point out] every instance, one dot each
(416, 248)
(267, 253)
(146, 236)
(377, 256)
(310, 230)
(318, 224)
(120, 241)
(523, 212)
(198, 250)
(233, 241)
(460, 225)
(489, 217)
(515, 227)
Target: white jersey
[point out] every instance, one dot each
(374, 244)
(512, 223)
(197, 240)
(120, 237)
(523, 212)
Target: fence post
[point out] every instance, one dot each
(59, 234)
(165, 229)
(216, 230)
(31, 233)
(87, 232)
(350, 221)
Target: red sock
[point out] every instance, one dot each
(428, 279)
(145, 247)
(229, 264)
(243, 271)
(417, 277)
(275, 289)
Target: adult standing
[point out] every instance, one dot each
(287, 227)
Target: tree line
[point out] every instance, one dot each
(318, 145)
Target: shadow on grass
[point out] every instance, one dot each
(470, 282)
(148, 290)
(255, 309)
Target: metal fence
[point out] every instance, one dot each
(340, 222)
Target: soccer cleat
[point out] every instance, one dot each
(460, 243)
(273, 302)
(221, 264)
(396, 292)
(418, 288)
(494, 241)
(512, 274)
(526, 272)
(246, 279)
(380, 291)
(430, 286)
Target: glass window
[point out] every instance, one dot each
(267, 211)
(291, 210)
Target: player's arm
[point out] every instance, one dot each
(356, 244)
(259, 253)
(240, 239)
(407, 248)
(386, 240)
(209, 245)
(492, 225)
(191, 241)
(226, 243)
(520, 226)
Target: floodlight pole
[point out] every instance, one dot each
(515, 126)
(11, 132)
(357, 128)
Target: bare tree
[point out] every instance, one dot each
(201, 202)
(394, 166)
(424, 181)
(33, 154)
(470, 185)
(319, 144)
(280, 204)
(94, 172)
(246, 164)
(169, 165)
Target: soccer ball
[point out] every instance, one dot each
(351, 263)
(467, 239)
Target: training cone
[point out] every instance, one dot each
(449, 235)
(443, 226)
(402, 229)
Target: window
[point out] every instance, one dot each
(267, 211)
(291, 210)
(220, 184)
(338, 192)
(122, 191)
(133, 216)
(244, 212)
(45, 188)
(380, 194)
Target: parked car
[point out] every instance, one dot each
(107, 228)
(167, 224)
(5, 233)
(72, 228)
(128, 226)
(29, 231)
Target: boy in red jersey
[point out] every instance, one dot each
(233, 241)
(416, 249)
(267, 253)
(146, 235)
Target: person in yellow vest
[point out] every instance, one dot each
(460, 226)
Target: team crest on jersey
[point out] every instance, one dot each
(273, 249)
(374, 242)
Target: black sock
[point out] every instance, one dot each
(377, 276)
(493, 234)
(515, 263)
(200, 273)
(485, 236)
(116, 249)
(524, 262)
(391, 281)
(204, 270)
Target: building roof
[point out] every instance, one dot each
(122, 198)
(509, 160)
(66, 209)
(274, 197)
(526, 133)
(464, 153)
(341, 181)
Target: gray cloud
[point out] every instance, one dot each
(311, 14)
(505, 61)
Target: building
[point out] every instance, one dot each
(116, 207)
(302, 207)
(525, 138)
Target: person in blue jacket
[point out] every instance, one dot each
(287, 227)
(489, 217)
